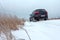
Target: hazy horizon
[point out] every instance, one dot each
(23, 8)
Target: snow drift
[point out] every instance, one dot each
(42, 30)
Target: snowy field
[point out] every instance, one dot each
(42, 30)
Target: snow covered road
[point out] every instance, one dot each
(42, 30)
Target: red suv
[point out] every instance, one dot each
(39, 14)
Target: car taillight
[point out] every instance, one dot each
(36, 13)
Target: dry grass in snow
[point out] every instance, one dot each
(8, 23)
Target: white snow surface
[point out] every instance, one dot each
(42, 30)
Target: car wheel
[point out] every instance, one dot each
(37, 19)
(32, 19)
(46, 18)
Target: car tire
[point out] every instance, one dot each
(46, 18)
(31, 19)
(37, 19)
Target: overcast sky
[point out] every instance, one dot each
(23, 8)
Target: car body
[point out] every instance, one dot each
(39, 14)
